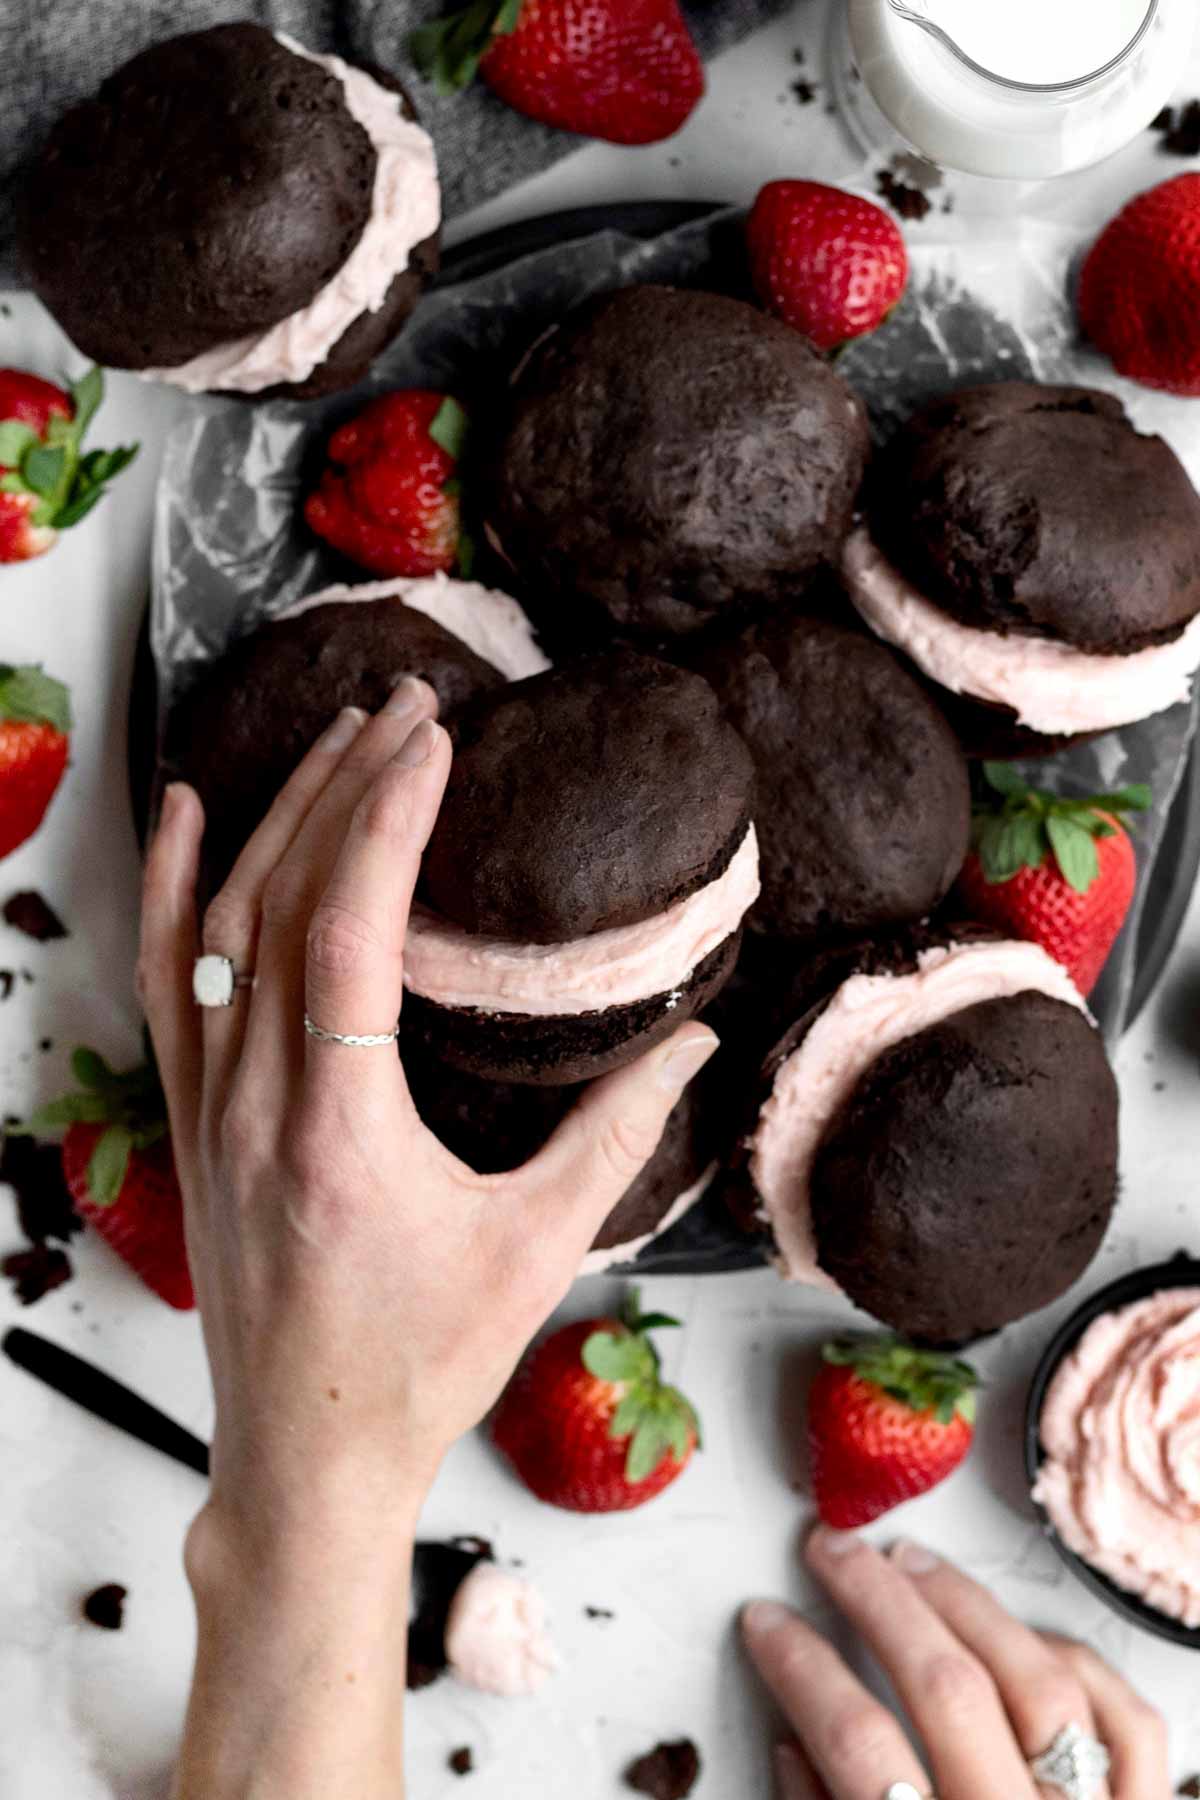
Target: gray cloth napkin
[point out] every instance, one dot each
(53, 55)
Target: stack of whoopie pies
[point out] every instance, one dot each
(742, 789)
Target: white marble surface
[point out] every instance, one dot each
(88, 1715)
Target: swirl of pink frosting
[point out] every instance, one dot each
(1121, 1432)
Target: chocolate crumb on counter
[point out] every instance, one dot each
(105, 1606)
(1190, 1789)
(909, 202)
(36, 1272)
(462, 1761)
(1179, 129)
(30, 913)
(668, 1772)
(35, 1174)
(599, 1612)
(805, 91)
(8, 979)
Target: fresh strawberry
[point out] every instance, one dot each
(829, 263)
(47, 483)
(1139, 290)
(1059, 871)
(35, 717)
(587, 1421)
(624, 70)
(389, 499)
(885, 1423)
(120, 1171)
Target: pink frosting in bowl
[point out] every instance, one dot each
(1115, 1447)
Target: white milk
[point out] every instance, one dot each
(1020, 88)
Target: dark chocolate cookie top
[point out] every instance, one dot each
(670, 453)
(212, 186)
(1018, 507)
(589, 797)
(970, 1178)
(238, 734)
(863, 800)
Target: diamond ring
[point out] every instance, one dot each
(215, 981)
(1076, 1763)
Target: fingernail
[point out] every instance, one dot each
(913, 1559)
(418, 746)
(682, 1061)
(762, 1617)
(170, 801)
(790, 1775)
(343, 731)
(406, 695)
(838, 1543)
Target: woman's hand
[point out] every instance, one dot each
(986, 1694)
(364, 1294)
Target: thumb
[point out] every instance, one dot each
(607, 1139)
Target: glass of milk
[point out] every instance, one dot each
(1021, 89)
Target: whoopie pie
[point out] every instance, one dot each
(935, 1134)
(1036, 557)
(240, 730)
(668, 455)
(231, 212)
(583, 889)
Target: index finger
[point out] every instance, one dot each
(354, 968)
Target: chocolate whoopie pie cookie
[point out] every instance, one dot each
(584, 886)
(232, 213)
(241, 729)
(1038, 559)
(494, 1126)
(935, 1135)
(668, 455)
(863, 804)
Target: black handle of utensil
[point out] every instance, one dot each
(97, 1393)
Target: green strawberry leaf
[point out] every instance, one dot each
(628, 1415)
(43, 467)
(69, 1109)
(29, 696)
(13, 482)
(1074, 852)
(91, 1071)
(925, 1380)
(1004, 778)
(625, 1358)
(449, 427)
(654, 1322)
(15, 439)
(650, 1443)
(78, 508)
(87, 393)
(108, 1164)
(448, 51)
(464, 555)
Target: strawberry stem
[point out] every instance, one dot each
(657, 1419)
(925, 1380)
(1025, 825)
(448, 52)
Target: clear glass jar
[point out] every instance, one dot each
(1020, 89)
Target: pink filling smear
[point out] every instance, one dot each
(496, 1637)
(406, 208)
(452, 967)
(488, 622)
(1051, 687)
(1121, 1432)
(866, 1016)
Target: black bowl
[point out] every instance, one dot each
(1182, 1271)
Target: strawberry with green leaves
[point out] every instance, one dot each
(35, 720)
(886, 1422)
(589, 1424)
(389, 497)
(47, 481)
(623, 70)
(120, 1171)
(1059, 871)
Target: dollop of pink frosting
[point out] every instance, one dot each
(488, 622)
(496, 1637)
(1121, 1432)
(865, 1017)
(1050, 686)
(406, 208)
(597, 1261)
(453, 967)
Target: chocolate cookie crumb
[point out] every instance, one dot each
(909, 202)
(36, 1272)
(462, 1761)
(804, 91)
(1190, 1789)
(106, 1606)
(668, 1772)
(1180, 131)
(8, 979)
(599, 1612)
(29, 913)
(34, 1172)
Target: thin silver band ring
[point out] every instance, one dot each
(357, 1040)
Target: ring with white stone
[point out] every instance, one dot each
(904, 1790)
(215, 981)
(357, 1040)
(1076, 1763)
